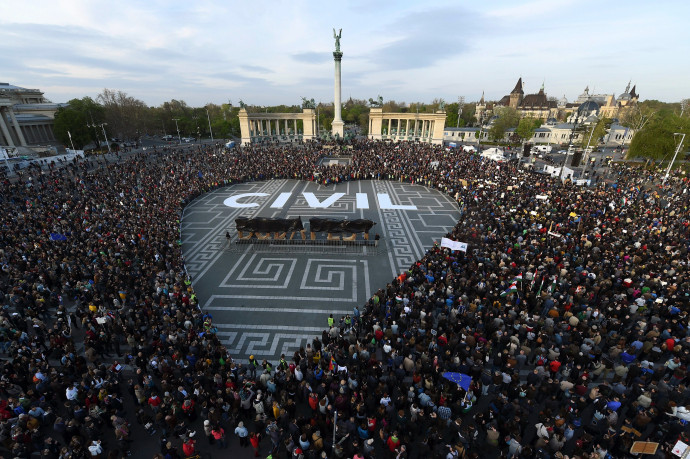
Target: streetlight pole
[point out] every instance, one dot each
(209, 124)
(335, 425)
(105, 137)
(668, 169)
(587, 150)
(570, 147)
(70, 140)
(179, 139)
(103, 125)
(98, 142)
(461, 102)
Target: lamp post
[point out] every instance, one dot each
(461, 102)
(209, 125)
(98, 142)
(179, 139)
(70, 140)
(103, 125)
(570, 147)
(587, 150)
(105, 137)
(668, 169)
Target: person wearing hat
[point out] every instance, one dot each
(253, 365)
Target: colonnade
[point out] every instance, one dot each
(12, 134)
(257, 127)
(421, 127)
(9, 128)
(271, 127)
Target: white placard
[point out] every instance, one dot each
(679, 448)
(454, 245)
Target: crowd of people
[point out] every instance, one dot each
(569, 312)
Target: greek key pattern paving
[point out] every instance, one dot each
(269, 302)
(269, 343)
(206, 220)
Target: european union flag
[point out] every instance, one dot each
(57, 237)
(460, 379)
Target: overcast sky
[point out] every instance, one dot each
(269, 52)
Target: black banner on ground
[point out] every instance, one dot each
(268, 225)
(330, 225)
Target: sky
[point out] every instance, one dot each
(275, 52)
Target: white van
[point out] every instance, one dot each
(494, 154)
(542, 149)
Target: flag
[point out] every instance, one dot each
(512, 289)
(534, 280)
(333, 364)
(460, 379)
(541, 284)
(551, 287)
(57, 237)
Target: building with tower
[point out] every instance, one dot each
(536, 105)
(621, 106)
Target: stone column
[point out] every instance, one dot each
(337, 106)
(18, 130)
(5, 130)
(407, 129)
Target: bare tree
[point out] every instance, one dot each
(124, 114)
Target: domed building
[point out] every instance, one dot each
(587, 112)
(618, 108)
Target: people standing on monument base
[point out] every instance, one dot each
(588, 353)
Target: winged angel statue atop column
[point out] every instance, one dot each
(337, 39)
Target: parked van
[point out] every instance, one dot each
(542, 149)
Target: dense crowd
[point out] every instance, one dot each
(569, 312)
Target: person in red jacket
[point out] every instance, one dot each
(313, 401)
(154, 402)
(393, 442)
(554, 366)
(254, 440)
(188, 408)
(188, 447)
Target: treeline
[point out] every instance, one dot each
(128, 118)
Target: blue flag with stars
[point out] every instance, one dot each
(460, 379)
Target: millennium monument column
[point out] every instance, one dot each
(337, 57)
